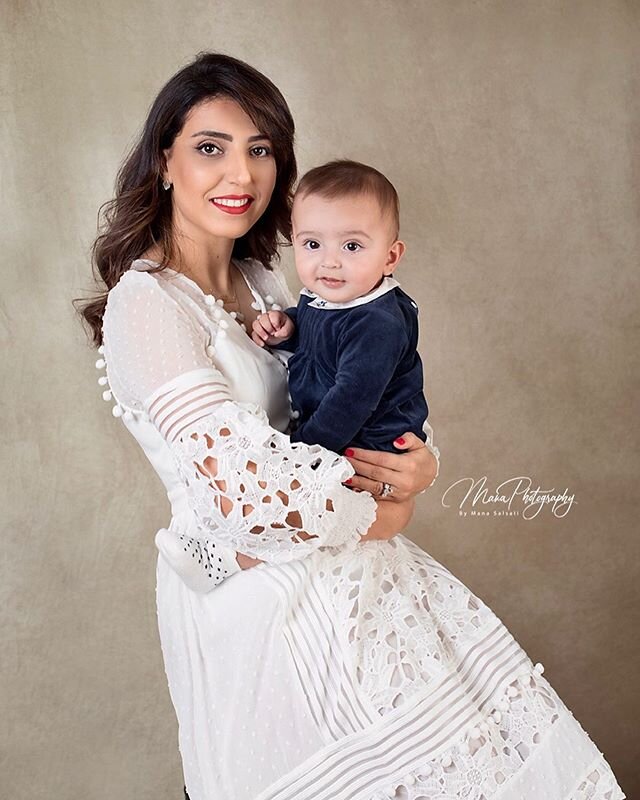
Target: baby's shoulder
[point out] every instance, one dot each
(394, 305)
(397, 304)
(381, 315)
(403, 300)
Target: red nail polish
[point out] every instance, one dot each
(348, 452)
(348, 480)
(400, 440)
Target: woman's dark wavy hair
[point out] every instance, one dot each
(139, 215)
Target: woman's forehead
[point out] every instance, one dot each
(219, 115)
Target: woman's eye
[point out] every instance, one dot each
(208, 148)
(353, 247)
(311, 244)
(261, 151)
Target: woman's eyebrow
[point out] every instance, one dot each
(227, 136)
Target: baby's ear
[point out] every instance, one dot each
(394, 256)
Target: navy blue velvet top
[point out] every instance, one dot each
(355, 376)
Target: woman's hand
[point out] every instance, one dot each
(391, 519)
(246, 562)
(409, 473)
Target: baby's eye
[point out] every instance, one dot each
(208, 148)
(311, 244)
(353, 247)
(261, 151)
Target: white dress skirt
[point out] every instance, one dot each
(337, 669)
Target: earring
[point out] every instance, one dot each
(166, 185)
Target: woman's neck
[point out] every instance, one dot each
(208, 263)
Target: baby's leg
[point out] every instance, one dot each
(201, 563)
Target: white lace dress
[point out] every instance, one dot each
(337, 669)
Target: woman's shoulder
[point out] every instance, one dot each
(138, 292)
(138, 278)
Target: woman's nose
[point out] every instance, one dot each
(239, 171)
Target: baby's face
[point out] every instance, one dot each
(342, 246)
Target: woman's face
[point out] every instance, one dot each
(222, 172)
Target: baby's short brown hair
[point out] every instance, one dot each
(343, 178)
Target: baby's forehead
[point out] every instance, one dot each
(364, 207)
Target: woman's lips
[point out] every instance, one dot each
(233, 204)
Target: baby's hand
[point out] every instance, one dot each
(272, 328)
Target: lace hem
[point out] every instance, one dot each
(497, 758)
(598, 783)
(410, 623)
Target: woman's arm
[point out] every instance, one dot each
(391, 519)
(410, 473)
(249, 487)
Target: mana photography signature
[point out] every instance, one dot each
(514, 497)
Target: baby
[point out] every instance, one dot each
(355, 376)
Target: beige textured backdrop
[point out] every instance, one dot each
(509, 129)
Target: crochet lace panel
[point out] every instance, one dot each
(256, 491)
(408, 621)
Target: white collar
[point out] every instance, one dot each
(387, 285)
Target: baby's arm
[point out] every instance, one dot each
(272, 328)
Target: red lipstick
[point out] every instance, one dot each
(232, 203)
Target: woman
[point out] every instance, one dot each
(340, 660)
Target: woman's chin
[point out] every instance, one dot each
(232, 226)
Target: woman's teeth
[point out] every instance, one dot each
(231, 203)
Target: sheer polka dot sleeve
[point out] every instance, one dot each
(249, 487)
(149, 340)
